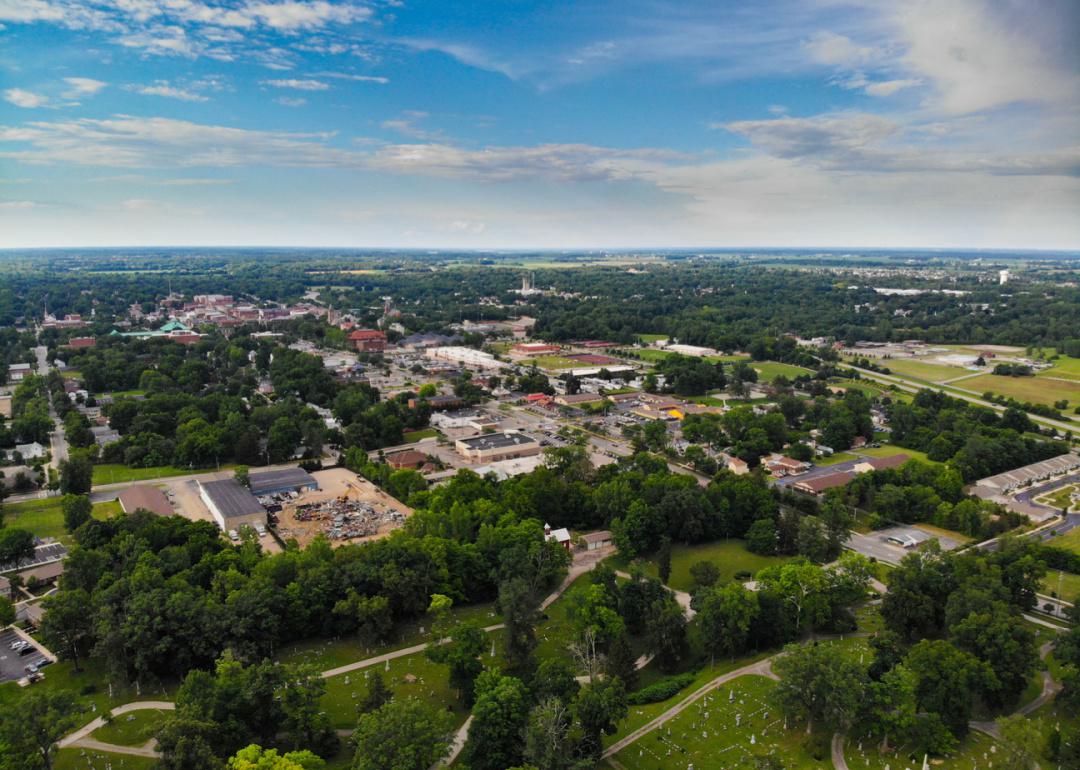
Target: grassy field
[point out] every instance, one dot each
(45, 518)
(652, 355)
(890, 450)
(1065, 368)
(1037, 390)
(866, 386)
(923, 370)
(834, 458)
(730, 556)
(416, 435)
(134, 728)
(554, 362)
(1070, 541)
(650, 338)
(706, 735)
(968, 755)
(114, 473)
(770, 370)
(1060, 498)
(1064, 584)
(83, 759)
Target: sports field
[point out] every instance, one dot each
(770, 370)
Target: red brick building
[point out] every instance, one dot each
(368, 340)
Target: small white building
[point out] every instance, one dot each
(31, 451)
(560, 536)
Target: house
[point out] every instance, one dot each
(18, 372)
(594, 541)
(5, 587)
(881, 463)
(104, 435)
(820, 484)
(410, 458)
(781, 465)
(737, 465)
(560, 536)
(145, 497)
(31, 451)
(368, 340)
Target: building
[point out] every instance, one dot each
(231, 504)
(560, 536)
(474, 419)
(76, 343)
(820, 484)
(781, 465)
(103, 435)
(594, 541)
(281, 481)
(368, 340)
(737, 465)
(438, 403)
(410, 458)
(532, 349)
(31, 451)
(11, 475)
(1009, 481)
(493, 447)
(463, 356)
(880, 463)
(145, 497)
(579, 399)
(18, 372)
(5, 587)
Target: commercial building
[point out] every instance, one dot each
(475, 419)
(1004, 483)
(231, 504)
(409, 458)
(579, 399)
(368, 340)
(473, 359)
(820, 484)
(281, 481)
(147, 498)
(438, 403)
(531, 349)
(493, 447)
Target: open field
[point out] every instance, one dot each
(650, 338)
(923, 370)
(835, 458)
(730, 556)
(969, 755)
(416, 435)
(1037, 390)
(552, 362)
(866, 386)
(45, 518)
(770, 370)
(727, 730)
(891, 450)
(1070, 541)
(84, 759)
(115, 473)
(653, 355)
(134, 728)
(1065, 368)
(1064, 584)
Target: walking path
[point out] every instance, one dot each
(680, 596)
(582, 563)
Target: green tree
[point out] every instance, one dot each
(705, 573)
(548, 743)
(599, 706)
(370, 615)
(499, 719)
(725, 616)
(948, 680)
(520, 613)
(185, 744)
(819, 684)
(1022, 740)
(377, 693)
(16, 546)
(254, 757)
(762, 537)
(621, 662)
(77, 510)
(461, 652)
(7, 612)
(68, 624)
(401, 735)
(76, 474)
(663, 559)
(29, 731)
(243, 478)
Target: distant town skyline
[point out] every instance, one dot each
(829, 123)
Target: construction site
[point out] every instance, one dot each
(345, 508)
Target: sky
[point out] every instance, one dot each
(517, 124)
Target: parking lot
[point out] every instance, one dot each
(12, 664)
(879, 546)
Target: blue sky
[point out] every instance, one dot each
(540, 124)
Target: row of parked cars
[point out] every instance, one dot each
(25, 649)
(259, 527)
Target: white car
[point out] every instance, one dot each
(18, 645)
(234, 536)
(260, 529)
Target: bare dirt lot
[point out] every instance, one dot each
(343, 504)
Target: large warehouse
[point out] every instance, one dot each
(145, 497)
(493, 447)
(276, 482)
(231, 504)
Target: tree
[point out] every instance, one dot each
(377, 692)
(76, 474)
(812, 540)
(519, 611)
(371, 616)
(16, 546)
(461, 653)
(1022, 740)
(762, 537)
(705, 573)
(29, 731)
(254, 757)
(185, 744)
(77, 510)
(819, 684)
(725, 616)
(621, 662)
(598, 708)
(499, 718)
(68, 624)
(242, 476)
(7, 612)
(401, 735)
(888, 710)
(948, 679)
(663, 559)
(547, 736)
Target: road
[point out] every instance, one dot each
(911, 387)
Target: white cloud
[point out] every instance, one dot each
(79, 87)
(23, 98)
(890, 87)
(357, 78)
(163, 88)
(837, 50)
(298, 84)
(17, 205)
(291, 101)
(468, 226)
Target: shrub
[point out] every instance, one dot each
(660, 691)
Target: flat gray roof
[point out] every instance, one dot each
(497, 441)
(231, 499)
(271, 481)
(1018, 476)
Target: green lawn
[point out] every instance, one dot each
(1037, 390)
(1060, 498)
(834, 458)
(84, 759)
(891, 450)
(416, 435)
(730, 556)
(1064, 584)
(968, 755)
(705, 734)
(115, 473)
(650, 338)
(134, 728)
(1064, 368)
(770, 370)
(866, 386)
(923, 370)
(1070, 541)
(127, 393)
(45, 518)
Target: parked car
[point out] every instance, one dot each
(19, 644)
(234, 536)
(26, 650)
